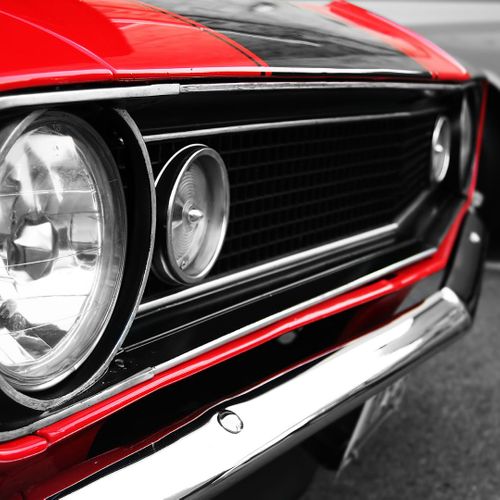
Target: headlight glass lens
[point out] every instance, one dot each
(441, 149)
(62, 248)
(197, 215)
(466, 142)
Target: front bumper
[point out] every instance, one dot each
(240, 434)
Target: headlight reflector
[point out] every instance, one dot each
(62, 247)
(441, 149)
(193, 201)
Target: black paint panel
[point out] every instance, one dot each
(285, 35)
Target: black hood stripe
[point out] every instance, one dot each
(284, 35)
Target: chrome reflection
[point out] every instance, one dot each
(268, 419)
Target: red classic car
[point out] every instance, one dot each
(228, 230)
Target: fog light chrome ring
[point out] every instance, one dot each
(441, 149)
(193, 211)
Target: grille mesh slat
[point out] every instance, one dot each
(295, 188)
(317, 142)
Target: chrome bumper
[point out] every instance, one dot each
(260, 423)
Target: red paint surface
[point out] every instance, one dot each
(77, 471)
(441, 65)
(32, 57)
(20, 476)
(69, 41)
(117, 39)
(21, 448)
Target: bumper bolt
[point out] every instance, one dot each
(230, 422)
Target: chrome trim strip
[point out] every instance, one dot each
(288, 312)
(305, 85)
(276, 264)
(300, 70)
(151, 372)
(65, 96)
(249, 429)
(83, 95)
(281, 124)
(412, 208)
(272, 266)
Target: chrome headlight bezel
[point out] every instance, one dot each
(85, 162)
(119, 131)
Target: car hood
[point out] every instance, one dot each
(69, 41)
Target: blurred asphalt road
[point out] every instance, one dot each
(445, 441)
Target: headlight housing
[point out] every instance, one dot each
(193, 210)
(62, 246)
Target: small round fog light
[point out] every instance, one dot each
(441, 147)
(193, 209)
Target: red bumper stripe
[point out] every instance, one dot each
(22, 448)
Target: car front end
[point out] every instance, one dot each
(225, 229)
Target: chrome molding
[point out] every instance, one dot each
(65, 96)
(289, 312)
(272, 266)
(250, 428)
(308, 85)
(281, 124)
(413, 207)
(300, 70)
(277, 264)
(84, 95)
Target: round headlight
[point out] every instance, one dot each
(441, 149)
(193, 208)
(466, 142)
(62, 246)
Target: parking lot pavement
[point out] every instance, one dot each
(445, 441)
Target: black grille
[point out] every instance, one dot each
(294, 188)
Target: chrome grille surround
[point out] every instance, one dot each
(276, 170)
